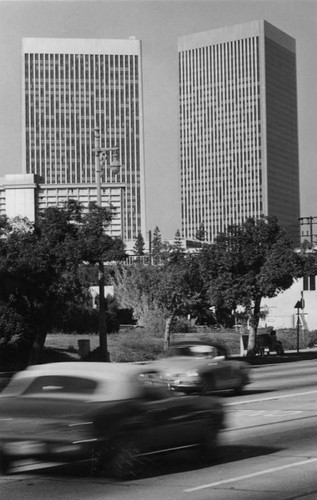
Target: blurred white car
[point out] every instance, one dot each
(197, 367)
(110, 413)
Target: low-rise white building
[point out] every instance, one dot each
(25, 195)
(283, 311)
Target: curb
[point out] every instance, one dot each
(288, 357)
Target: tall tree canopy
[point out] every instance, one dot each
(139, 245)
(44, 259)
(247, 263)
(157, 245)
(174, 286)
(201, 232)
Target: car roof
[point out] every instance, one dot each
(184, 343)
(115, 380)
(82, 368)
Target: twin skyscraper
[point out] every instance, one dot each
(238, 132)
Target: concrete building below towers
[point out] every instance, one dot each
(25, 195)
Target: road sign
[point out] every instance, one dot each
(299, 304)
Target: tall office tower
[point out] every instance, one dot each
(70, 88)
(238, 128)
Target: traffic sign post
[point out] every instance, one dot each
(299, 305)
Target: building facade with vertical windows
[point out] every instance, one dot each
(70, 88)
(238, 128)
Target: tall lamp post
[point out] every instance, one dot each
(101, 157)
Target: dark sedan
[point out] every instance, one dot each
(198, 367)
(112, 414)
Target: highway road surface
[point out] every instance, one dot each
(268, 451)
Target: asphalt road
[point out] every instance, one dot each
(268, 452)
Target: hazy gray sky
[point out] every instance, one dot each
(157, 23)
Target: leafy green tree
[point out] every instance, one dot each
(177, 246)
(247, 263)
(139, 245)
(201, 233)
(36, 258)
(157, 245)
(97, 247)
(134, 287)
(174, 287)
(94, 243)
(179, 290)
(47, 257)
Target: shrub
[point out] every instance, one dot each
(82, 319)
(182, 325)
(78, 319)
(288, 337)
(154, 322)
(131, 346)
(125, 317)
(15, 339)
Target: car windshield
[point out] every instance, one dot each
(195, 351)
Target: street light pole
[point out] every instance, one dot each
(98, 165)
(101, 156)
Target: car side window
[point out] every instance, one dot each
(193, 351)
(55, 384)
(204, 351)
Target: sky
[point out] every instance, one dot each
(158, 24)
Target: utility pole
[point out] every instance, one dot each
(101, 156)
(150, 248)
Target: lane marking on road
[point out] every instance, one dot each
(249, 476)
(259, 400)
(267, 413)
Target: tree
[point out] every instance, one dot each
(96, 248)
(174, 287)
(178, 290)
(40, 258)
(94, 243)
(134, 289)
(157, 245)
(139, 245)
(48, 257)
(177, 246)
(247, 263)
(201, 233)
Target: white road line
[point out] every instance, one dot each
(248, 476)
(259, 400)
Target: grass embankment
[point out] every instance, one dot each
(136, 344)
(131, 345)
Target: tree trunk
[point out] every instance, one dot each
(167, 334)
(254, 318)
(37, 348)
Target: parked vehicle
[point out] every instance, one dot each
(267, 343)
(110, 413)
(197, 367)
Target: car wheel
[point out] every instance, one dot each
(4, 463)
(125, 462)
